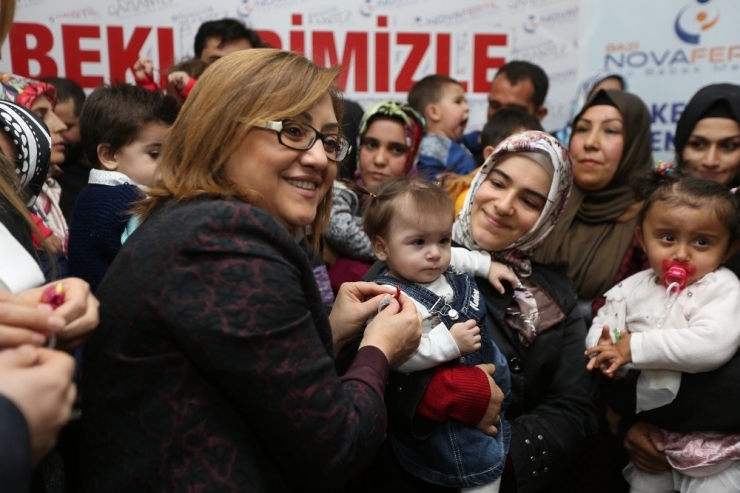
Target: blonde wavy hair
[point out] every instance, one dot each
(233, 95)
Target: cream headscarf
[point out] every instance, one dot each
(542, 145)
(598, 227)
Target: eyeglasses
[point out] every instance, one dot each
(301, 137)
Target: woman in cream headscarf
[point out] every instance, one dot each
(513, 203)
(595, 238)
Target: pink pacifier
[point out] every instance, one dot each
(677, 273)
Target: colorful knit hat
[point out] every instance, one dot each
(413, 126)
(25, 91)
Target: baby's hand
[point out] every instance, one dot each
(610, 356)
(144, 68)
(467, 336)
(179, 79)
(500, 272)
(606, 337)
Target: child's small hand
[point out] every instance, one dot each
(53, 243)
(606, 336)
(467, 336)
(144, 68)
(500, 272)
(610, 357)
(179, 79)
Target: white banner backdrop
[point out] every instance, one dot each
(667, 49)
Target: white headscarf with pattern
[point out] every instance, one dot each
(546, 146)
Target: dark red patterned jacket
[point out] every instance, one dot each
(211, 367)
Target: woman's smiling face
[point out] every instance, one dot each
(509, 202)
(291, 183)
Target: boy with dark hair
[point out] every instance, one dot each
(122, 131)
(70, 100)
(441, 100)
(218, 38)
(505, 122)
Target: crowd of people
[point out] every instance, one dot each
(228, 280)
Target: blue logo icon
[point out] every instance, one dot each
(245, 10)
(367, 8)
(531, 24)
(692, 20)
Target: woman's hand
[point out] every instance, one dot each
(396, 330)
(354, 304)
(23, 323)
(493, 414)
(39, 382)
(644, 444)
(79, 311)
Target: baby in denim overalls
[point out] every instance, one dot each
(409, 223)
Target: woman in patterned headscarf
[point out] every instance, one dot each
(515, 200)
(26, 146)
(40, 98)
(389, 136)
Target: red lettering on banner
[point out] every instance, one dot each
(121, 56)
(443, 53)
(483, 61)
(355, 49)
(75, 56)
(271, 38)
(21, 51)
(419, 43)
(382, 57)
(166, 43)
(297, 38)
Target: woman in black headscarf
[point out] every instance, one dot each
(708, 134)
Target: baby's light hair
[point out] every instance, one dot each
(426, 197)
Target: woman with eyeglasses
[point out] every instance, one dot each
(213, 366)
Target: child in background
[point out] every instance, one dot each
(389, 136)
(441, 100)
(505, 122)
(410, 225)
(678, 316)
(122, 131)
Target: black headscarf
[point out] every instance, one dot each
(704, 104)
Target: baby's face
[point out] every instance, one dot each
(695, 238)
(416, 245)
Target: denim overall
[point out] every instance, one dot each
(454, 454)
